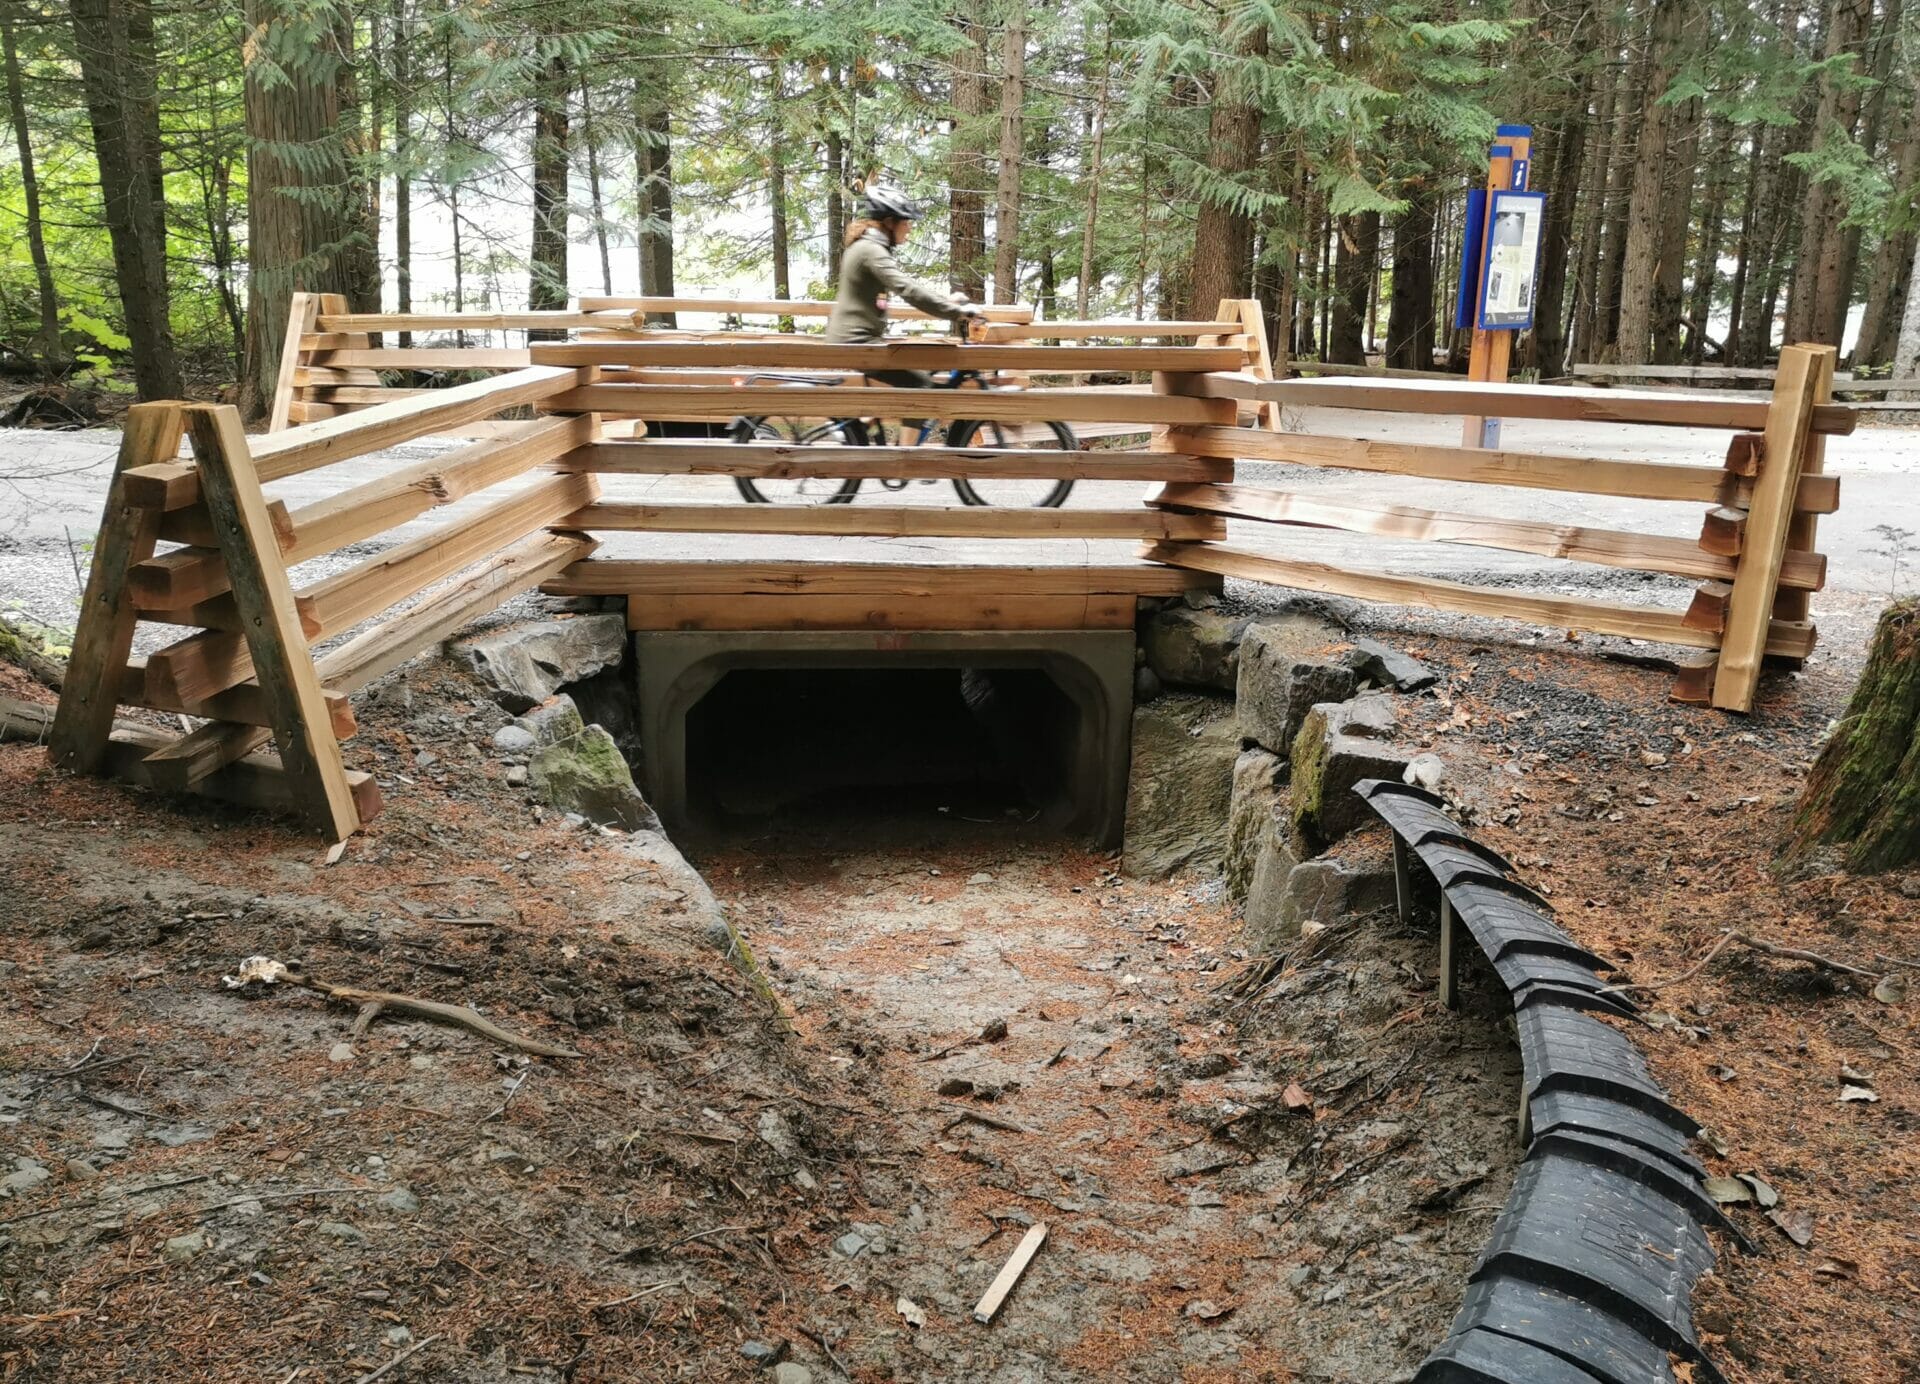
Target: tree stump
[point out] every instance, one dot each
(1863, 797)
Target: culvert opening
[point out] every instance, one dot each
(875, 747)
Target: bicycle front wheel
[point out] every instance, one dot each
(1013, 492)
(799, 490)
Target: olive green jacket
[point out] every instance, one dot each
(868, 271)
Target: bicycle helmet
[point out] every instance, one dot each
(883, 203)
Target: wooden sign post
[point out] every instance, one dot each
(1509, 162)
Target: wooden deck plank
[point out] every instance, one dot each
(805, 355)
(837, 401)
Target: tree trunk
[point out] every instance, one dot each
(106, 33)
(836, 155)
(1083, 288)
(1906, 355)
(1817, 309)
(552, 137)
(1863, 797)
(1223, 231)
(359, 250)
(1887, 280)
(402, 51)
(1647, 203)
(46, 340)
(595, 202)
(1410, 310)
(1706, 262)
(1567, 167)
(1006, 205)
(305, 212)
(653, 156)
(1581, 340)
(1669, 275)
(777, 188)
(1630, 108)
(967, 176)
(1353, 287)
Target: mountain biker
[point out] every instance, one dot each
(869, 275)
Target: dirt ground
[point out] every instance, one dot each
(1270, 1170)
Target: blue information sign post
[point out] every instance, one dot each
(1499, 260)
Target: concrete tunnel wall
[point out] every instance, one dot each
(675, 669)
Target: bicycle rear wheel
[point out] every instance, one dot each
(1012, 492)
(799, 490)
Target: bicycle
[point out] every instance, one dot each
(1038, 493)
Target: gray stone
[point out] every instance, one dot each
(340, 1052)
(517, 776)
(850, 1245)
(514, 739)
(1179, 786)
(553, 721)
(400, 1200)
(776, 1133)
(1350, 881)
(1194, 648)
(26, 1175)
(1389, 667)
(787, 1372)
(1327, 762)
(341, 1230)
(1426, 771)
(1254, 809)
(182, 1249)
(1146, 684)
(80, 1170)
(1372, 715)
(528, 662)
(112, 1139)
(1287, 668)
(586, 773)
(761, 1353)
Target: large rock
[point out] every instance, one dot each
(528, 662)
(1254, 812)
(1329, 757)
(1179, 785)
(1388, 667)
(578, 768)
(1287, 666)
(1194, 648)
(1356, 878)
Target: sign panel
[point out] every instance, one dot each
(1516, 222)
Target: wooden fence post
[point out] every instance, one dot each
(1806, 375)
(263, 597)
(104, 637)
(302, 311)
(1803, 530)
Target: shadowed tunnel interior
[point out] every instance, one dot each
(874, 745)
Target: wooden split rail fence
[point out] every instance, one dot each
(247, 667)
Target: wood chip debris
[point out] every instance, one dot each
(1004, 1281)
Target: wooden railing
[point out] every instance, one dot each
(1754, 552)
(249, 670)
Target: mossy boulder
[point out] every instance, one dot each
(579, 768)
(1328, 760)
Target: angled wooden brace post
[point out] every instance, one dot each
(263, 598)
(97, 667)
(303, 313)
(1805, 376)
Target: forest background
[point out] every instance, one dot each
(1722, 175)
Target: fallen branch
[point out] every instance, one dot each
(375, 1002)
(1730, 935)
(396, 1362)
